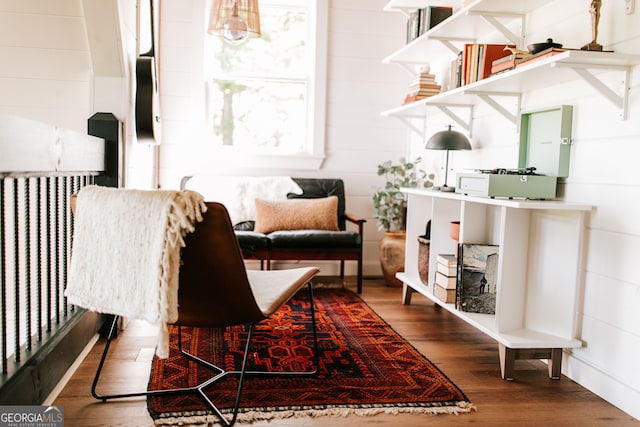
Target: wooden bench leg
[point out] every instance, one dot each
(406, 294)
(507, 361)
(508, 357)
(555, 364)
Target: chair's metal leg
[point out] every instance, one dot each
(316, 357)
(194, 357)
(102, 359)
(316, 351)
(105, 397)
(221, 372)
(242, 373)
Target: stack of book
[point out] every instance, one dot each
(547, 53)
(446, 278)
(508, 62)
(423, 86)
(520, 59)
(475, 61)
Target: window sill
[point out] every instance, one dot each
(241, 160)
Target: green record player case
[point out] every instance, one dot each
(545, 143)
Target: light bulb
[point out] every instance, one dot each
(234, 30)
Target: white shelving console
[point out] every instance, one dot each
(539, 268)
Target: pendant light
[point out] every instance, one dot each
(234, 20)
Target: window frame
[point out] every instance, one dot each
(315, 105)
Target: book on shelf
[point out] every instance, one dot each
(413, 29)
(506, 62)
(547, 53)
(443, 294)
(447, 282)
(422, 20)
(413, 98)
(456, 71)
(477, 60)
(447, 270)
(449, 260)
(477, 278)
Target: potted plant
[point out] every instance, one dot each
(390, 205)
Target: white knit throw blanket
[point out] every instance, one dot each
(126, 253)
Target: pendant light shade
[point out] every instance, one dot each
(234, 20)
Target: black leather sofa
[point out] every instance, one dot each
(309, 245)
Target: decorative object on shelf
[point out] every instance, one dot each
(424, 244)
(454, 233)
(478, 278)
(234, 20)
(448, 140)
(545, 148)
(539, 47)
(390, 205)
(391, 252)
(594, 11)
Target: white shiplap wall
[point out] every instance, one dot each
(45, 71)
(62, 61)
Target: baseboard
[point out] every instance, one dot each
(32, 382)
(595, 380)
(67, 376)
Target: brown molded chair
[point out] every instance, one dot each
(216, 291)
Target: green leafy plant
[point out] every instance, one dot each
(390, 203)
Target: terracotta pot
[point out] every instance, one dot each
(454, 233)
(391, 252)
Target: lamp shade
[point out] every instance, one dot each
(448, 140)
(234, 20)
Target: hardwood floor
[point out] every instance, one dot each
(466, 356)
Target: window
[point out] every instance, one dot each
(266, 96)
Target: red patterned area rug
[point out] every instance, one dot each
(366, 368)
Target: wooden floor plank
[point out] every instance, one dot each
(468, 357)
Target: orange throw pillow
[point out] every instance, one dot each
(297, 214)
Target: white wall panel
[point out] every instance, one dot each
(46, 69)
(623, 298)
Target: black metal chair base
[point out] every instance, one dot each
(221, 373)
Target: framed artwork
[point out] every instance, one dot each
(477, 278)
